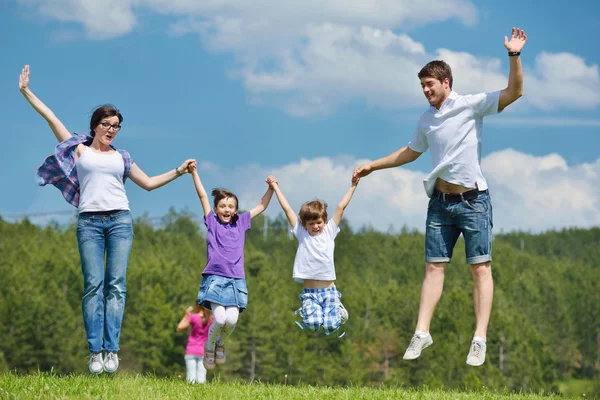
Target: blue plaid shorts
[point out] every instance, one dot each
(320, 308)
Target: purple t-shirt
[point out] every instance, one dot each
(225, 246)
(198, 335)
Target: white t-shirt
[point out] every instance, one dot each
(101, 185)
(314, 258)
(453, 133)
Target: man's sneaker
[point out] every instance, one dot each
(476, 355)
(96, 365)
(209, 358)
(343, 314)
(220, 354)
(417, 344)
(111, 362)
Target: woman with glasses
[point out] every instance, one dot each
(91, 175)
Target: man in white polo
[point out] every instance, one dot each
(459, 198)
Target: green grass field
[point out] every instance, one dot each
(49, 386)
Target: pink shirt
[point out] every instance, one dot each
(198, 335)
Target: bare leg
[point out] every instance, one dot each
(483, 295)
(431, 291)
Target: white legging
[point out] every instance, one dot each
(223, 325)
(195, 371)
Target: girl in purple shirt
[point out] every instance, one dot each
(223, 289)
(194, 352)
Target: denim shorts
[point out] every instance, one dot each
(447, 220)
(223, 291)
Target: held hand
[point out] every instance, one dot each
(517, 40)
(24, 78)
(185, 167)
(192, 167)
(271, 181)
(189, 311)
(361, 171)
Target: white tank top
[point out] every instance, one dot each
(101, 181)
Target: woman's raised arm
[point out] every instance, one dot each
(57, 127)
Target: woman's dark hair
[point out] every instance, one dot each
(104, 111)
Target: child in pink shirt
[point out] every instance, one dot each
(194, 352)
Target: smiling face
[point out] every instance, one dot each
(107, 129)
(315, 226)
(226, 209)
(435, 91)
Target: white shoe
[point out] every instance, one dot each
(96, 364)
(343, 314)
(417, 344)
(476, 355)
(111, 362)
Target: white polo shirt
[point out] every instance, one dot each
(453, 133)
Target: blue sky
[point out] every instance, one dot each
(306, 91)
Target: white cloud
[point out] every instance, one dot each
(528, 192)
(310, 57)
(563, 80)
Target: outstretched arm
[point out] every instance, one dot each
(289, 212)
(57, 127)
(262, 204)
(402, 156)
(140, 178)
(514, 90)
(202, 195)
(185, 322)
(339, 210)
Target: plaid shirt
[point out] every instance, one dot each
(59, 168)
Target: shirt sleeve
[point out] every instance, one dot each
(245, 221)
(332, 228)
(484, 103)
(297, 230)
(209, 220)
(419, 141)
(193, 318)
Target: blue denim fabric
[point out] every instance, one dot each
(104, 290)
(447, 220)
(224, 291)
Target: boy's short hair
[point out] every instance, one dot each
(312, 210)
(437, 69)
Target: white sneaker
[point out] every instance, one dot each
(343, 314)
(111, 362)
(96, 365)
(417, 344)
(476, 355)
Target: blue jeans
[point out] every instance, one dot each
(447, 220)
(104, 290)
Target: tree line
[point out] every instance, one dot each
(545, 324)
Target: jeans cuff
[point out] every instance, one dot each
(479, 259)
(437, 259)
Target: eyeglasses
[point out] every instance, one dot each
(106, 125)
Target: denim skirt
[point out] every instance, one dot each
(223, 291)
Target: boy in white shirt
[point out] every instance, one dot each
(314, 264)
